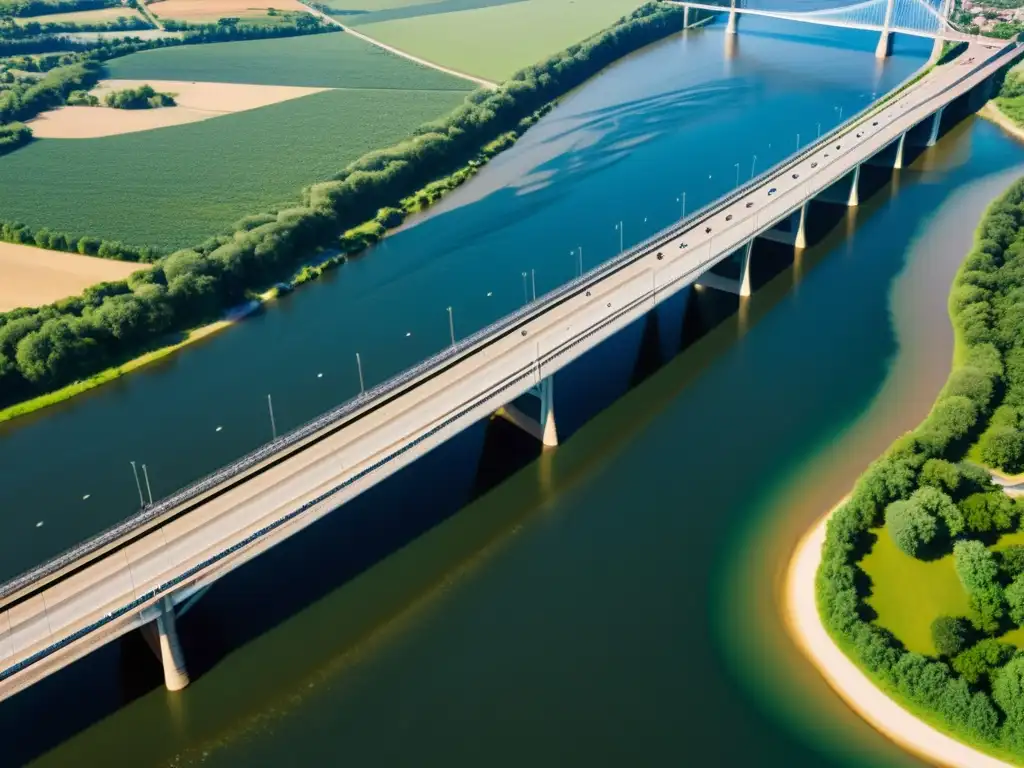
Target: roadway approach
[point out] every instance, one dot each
(139, 574)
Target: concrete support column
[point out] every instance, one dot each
(549, 430)
(898, 163)
(800, 241)
(686, 16)
(730, 28)
(745, 268)
(544, 427)
(936, 124)
(854, 199)
(171, 656)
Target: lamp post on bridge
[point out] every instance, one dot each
(620, 228)
(819, 131)
(737, 173)
(149, 490)
(753, 162)
(273, 424)
(682, 199)
(526, 294)
(359, 365)
(451, 325)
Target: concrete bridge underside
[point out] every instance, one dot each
(159, 563)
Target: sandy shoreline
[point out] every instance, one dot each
(992, 113)
(853, 686)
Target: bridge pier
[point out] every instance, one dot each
(543, 428)
(739, 287)
(898, 162)
(936, 123)
(730, 28)
(686, 16)
(884, 48)
(854, 198)
(800, 241)
(162, 635)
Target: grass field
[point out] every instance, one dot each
(333, 60)
(909, 594)
(97, 16)
(208, 11)
(493, 38)
(173, 187)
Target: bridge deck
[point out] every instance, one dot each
(111, 589)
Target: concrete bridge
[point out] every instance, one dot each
(149, 569)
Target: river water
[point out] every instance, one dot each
(611, 602)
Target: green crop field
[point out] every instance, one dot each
(96, 16)
(334, 60)
(173, 187)
(494, 38)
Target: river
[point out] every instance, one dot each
(610, 602)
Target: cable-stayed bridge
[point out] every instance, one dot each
(918, 18)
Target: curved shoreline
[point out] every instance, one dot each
(801, 618)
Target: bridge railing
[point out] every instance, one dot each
(171, 506)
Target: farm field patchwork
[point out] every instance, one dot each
(31, 277)
(331, 60)
(195, 101)
(496, 40)
(173, 187)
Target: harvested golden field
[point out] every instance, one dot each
(196, 101)
(207, 11)
(31, 277)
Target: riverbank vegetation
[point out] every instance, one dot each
(922, 573)
(44, 349)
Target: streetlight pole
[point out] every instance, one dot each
(580, 249)
(798, 141)
(621, 246)
(752, 164)
(451, 325)
(737, 173)
(142, 501)
(273, 424)
(359, 365)
(819, 131)
(526, 293)
(533, 282)
(149, 490)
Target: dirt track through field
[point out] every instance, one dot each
(31, 277)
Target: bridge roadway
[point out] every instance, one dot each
(131, 575)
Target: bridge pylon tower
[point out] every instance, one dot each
(884, 48)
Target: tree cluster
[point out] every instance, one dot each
(23, 8)
(14, 135)
(929, 502)
(12, 30)
(27, 100)
(43, 349)
(142, 97)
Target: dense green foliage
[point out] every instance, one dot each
(326, 61)
(26, 100)
(978, 696)
(23, 8)
(12, 136)
(11, 30)
(142, 97)
(81, 99)
(43, 349)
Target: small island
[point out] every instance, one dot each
(921, 574)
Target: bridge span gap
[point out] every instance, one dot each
(153, 567)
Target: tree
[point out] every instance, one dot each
(1012, 560)
(949, 635)
(910, 526)
(978, 661)
(1003, 447)
(978, 572)
(940, 506)
(988, 511)
(1015, 600)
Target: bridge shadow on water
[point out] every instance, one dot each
(336, 551)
